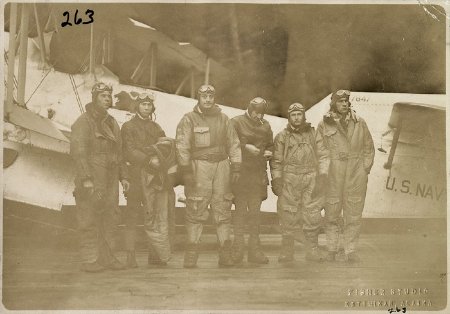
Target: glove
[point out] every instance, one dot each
(154, 162)
(235, 172)
(277, 186)
(188, 176)
(235, 177)
(252, 149)
(268, 154)
(319, 187)
(97, 196)
(188, 179)
(88, 187)
(126, 186)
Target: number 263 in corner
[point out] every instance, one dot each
(78, 20)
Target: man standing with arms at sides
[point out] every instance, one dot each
(149, 154)
(256, 138)
(294, 168)
(96, 148)
(348, 144)
(209, 155)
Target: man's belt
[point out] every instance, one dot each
(214, 154)
(345, 155)
(299, 169)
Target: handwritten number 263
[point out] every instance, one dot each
(89, 13)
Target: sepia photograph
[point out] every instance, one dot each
(250, 156)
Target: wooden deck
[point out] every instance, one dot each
(40, 272)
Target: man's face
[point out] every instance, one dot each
(145, 109)
(104, 100)
(296, 118)
(342, 106)
(257, 116)
(206, 101)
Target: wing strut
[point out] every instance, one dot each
(11, 58)
(23, 55)
(395, 139)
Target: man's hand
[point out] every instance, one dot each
(88, 186)
(125, 185)
(277, 186)
(235, 168)
(188, 176)
(188, 179)
(320, 186)
(154, 162)
(235, 177)
(252, 149)
(268, 154)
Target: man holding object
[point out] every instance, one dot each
(96, 148)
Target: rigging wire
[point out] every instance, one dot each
(75, 90)
(39, 85)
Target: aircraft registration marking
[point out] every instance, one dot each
(423, 190)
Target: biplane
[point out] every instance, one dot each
(408, 179)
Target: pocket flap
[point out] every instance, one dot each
(228, 196)
(195, 198)
(332, 200)
(201, 129)
(291, 209)
(354, 199)
(330, 132)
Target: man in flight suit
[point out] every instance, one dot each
(348, 144)
(96, 148)
(209, 155)
(294, 168)
(256, 138)
(148, 152)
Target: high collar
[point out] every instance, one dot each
(138, 115)
(104, 123)
(304, 127)
(213, 111)
(331, 116)
(96, 112)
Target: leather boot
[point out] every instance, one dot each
(341, 256)
(116, 265)
(353, 258)
(313, 254)
(287, 249)
(93, 267)
(225, 256)
(153, 258)
(331, 256)
(255, 255)
(238, 249)
(190, 256)
(131, 259)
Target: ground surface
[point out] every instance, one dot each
(40, 272)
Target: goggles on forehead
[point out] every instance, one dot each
(146, 96)
(101, 87)
(258, 101)
(258, 104)
(146, 102)
(206, 89)
(296, 107)
(342, 92)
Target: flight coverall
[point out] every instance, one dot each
(350, 153)
(296, 161)
(150, 187)
(206, 144)
(96, 148)
(251, 188)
